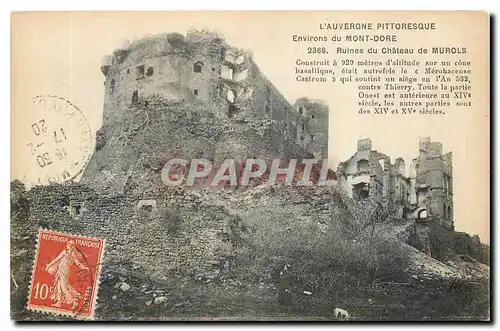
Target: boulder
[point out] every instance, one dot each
(159, 300)
(124, 287)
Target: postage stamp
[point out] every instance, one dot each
(58, 141)
(66, 273)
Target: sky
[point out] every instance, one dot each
(61, 54)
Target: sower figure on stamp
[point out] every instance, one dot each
(60, 268)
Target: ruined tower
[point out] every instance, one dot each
(433, 173)
(313, 126)
(362, 175)
(426, 191)
(370, 174)
(194, 96)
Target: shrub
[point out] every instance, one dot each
(441, 241)
(349, 253)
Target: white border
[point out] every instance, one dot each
(7, 6)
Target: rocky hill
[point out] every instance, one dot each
(130, 153)
(337, 258)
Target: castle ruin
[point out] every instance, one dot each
(427, 191)
(171, 96)
(197, 97)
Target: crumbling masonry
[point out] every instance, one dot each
(171, 96)
(216, 86)
(426, 192)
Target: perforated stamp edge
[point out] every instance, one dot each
(65, 312)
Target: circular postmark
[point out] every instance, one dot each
(57, 142)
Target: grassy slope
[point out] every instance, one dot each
(231, 296)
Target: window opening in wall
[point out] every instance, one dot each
(112, 85)
(135, 97)
(268, 109)
(128, 71)
(75, 208)
(301, 137)
(195, 92)
(213, 68)
(220, 88)
(361, 191)
(268, 93)
(222, 53)
(149, 72)
(197, 66)
(447, 185)
(232, 110)
(312, 137)
(312, 117)
(147, 206)
(363, 165)
(303, 126)
(140, 72)
(301, 110)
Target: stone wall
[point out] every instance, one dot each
(313, 126)
(466, 244)
(133, 151)
(162, 234)
(433, 181)
(363, 168)
(426, 191)
(172, 71)
(170, 96)
(191, 97)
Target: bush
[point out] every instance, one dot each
(348, 252)
(446, 243)
(19, 204)
(442, 242)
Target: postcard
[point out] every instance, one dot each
(250, 166)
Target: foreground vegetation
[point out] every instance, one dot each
(339, 259)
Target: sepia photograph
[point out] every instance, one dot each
(250, 166)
